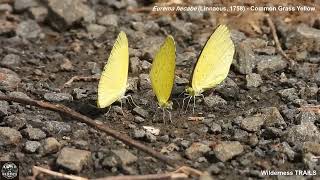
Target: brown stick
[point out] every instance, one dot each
(276, 39)
(79, 78)
(77, 116)
(165, 176)
(36, 170)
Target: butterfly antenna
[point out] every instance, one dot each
(183, 102)
(129, 96)
(177, 103)
(202, 97)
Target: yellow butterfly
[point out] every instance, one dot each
(213, 64)
(162, 73)
(113, 81)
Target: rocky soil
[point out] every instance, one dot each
(255, 120)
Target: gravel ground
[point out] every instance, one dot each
(253, 121)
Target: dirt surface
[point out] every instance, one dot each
(255, 120)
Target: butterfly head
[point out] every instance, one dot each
(190, 91)
(166, 105)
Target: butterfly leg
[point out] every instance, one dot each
(170, 117)
(163, 115)
(194, 104)
(188, 103)
(129, 96)
(107, 114)
(121, 107)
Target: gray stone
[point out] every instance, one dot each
(16, 121)
(28, 29)
(306, 116)
(66, 65)
(5, 8)
(20, 5)
(285, 148)
(51, 145)
(182, 28)
(109, 20)
(138, 119)
(95, 30)
(141, 112)
(228, 89)
(306, 70)
(253, 80)
(226, 150)
(302, 133)
(79, 93)
(151, 26)
(6, 27)
(34, 133)
(138, 26)
(125, 156)
(134, 65)
(272, 117)
(214, 169)
(197, 150)
(4, 107)
(145, 65)
(73, 159)
(32, 146)
(308, 32)
(270, 64)
(150, 137)
(245, 59)
(57, 127)
(9, 136)
(272, 133)
(9, 80)
(150, 46)
(311, 147)
(215, 128)
(39, 13)
(18, 94)
(95, 68)
(252, 124)
(185, 58)
(310, 161)
(289, 94)
(144, 81)
(58, 97)
(240, 135)
(212, 101)
(139, 133)
(11, 60)
(133, 84)
(63, 14)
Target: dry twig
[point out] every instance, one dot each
(276, 40)
(36, 170)
(84, 119)
(165, 176)
(79, 78)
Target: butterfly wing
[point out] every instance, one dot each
(214, 62)
(162, 71)
(113, 80)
